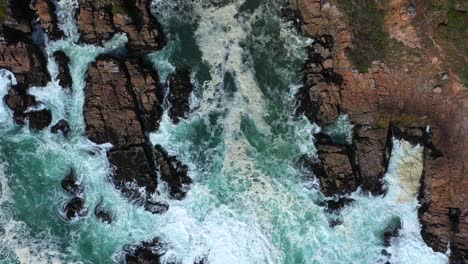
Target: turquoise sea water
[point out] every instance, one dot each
(250, 202)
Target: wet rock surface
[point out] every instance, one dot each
(148, 252)
(102, 214)
(74, 209)
(111, 115)
(62, 126)
(71, 184)
(180, 89)
(173, 172)
(98, 21)
(391, 100)
(64, 76)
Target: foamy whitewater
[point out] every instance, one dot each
(250, 202)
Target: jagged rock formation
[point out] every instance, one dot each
(180, 89)
(112, 115)
(415, 98)
(62, 126)
(20, 55)
(64, 76)
(45, 11)
(173, 172)
(98, 21)
(146, 252)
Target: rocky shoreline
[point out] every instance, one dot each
(417, 100)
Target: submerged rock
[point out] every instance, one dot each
(338, 204)
(392, 231)
(74, 209)
(156, 207)
(102, 214)
(71, 185)
(173, 172)
(180, 89)
(62, 125)
(147, 252)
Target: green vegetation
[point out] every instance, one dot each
(385, 119)
(3, 10)
(118, 9)
(452, 37)
(370, 40)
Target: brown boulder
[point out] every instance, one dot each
(45, 11)
(98, 21)
(121, 104)
(22, 57)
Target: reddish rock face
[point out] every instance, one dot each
(110, 113)
(45, 11)
(23, 58)
(98, 21)
(384, 102)
(144, 85)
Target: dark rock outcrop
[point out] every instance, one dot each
(19, 101)
(102, 214)
(173, 172)
(133, 172)
(111, 115)
(338, 203)
(98, 21)
(148, 252)
(71, 185)
(20, 55)
(180, 88)
(74, 209)
(64, 76)
(109, 110)
(39, 119)
(62, 126)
